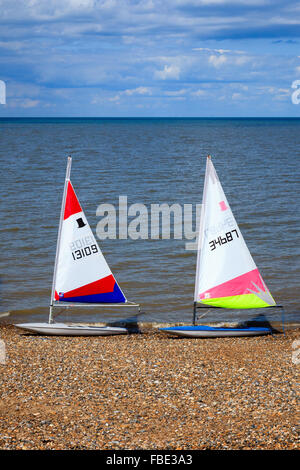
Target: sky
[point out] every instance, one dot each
(150, 58)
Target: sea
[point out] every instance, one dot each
(145, 163)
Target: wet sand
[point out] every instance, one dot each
(148, 391)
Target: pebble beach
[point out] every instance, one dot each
(148, 391)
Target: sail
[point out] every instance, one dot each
(82, 273)
(226, 274)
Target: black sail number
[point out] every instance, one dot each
(222, 239)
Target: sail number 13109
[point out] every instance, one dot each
(221, 240)
(83, 247)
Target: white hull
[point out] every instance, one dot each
(63, 329)
(214, 332)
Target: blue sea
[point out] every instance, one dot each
(148, 161)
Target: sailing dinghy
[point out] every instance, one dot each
(82, 277)
(226, 274)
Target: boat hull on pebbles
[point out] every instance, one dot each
(64, 329)
(211, 332)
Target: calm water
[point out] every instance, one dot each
(149, 161)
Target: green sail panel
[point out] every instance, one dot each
(237, 301)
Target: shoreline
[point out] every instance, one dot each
(148, 391)
(10, 318)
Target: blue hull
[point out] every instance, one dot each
(204, 331)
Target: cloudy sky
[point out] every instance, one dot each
(149, 57)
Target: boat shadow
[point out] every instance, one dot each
(259, 320)
(131, 323)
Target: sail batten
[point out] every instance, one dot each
(226, 274)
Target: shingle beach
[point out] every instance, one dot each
(148, 391)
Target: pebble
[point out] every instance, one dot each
(148, 391)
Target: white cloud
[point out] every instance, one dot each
(199, 93)
(181, 92)
(28, 103)
(115, 98)
(169, 72)
(241, 60)
(277, 93)
(217, 60)
(44, 9)
(144, 53)
(236, 96)
(97, 99)
(138, 91)
(23, 90)
(23, 103)
(219, 51)
(13, 45)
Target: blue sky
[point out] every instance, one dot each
(149, 57)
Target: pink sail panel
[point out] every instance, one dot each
(223, 206)
(238, 286)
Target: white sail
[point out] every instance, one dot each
(226, 274)
(81, 272)
(81, 276)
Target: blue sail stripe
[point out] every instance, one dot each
(116, 296)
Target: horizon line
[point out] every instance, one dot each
(149, 117)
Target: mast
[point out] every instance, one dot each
(67, 179)
(200, 238)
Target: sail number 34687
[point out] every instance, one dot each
(221, 240)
